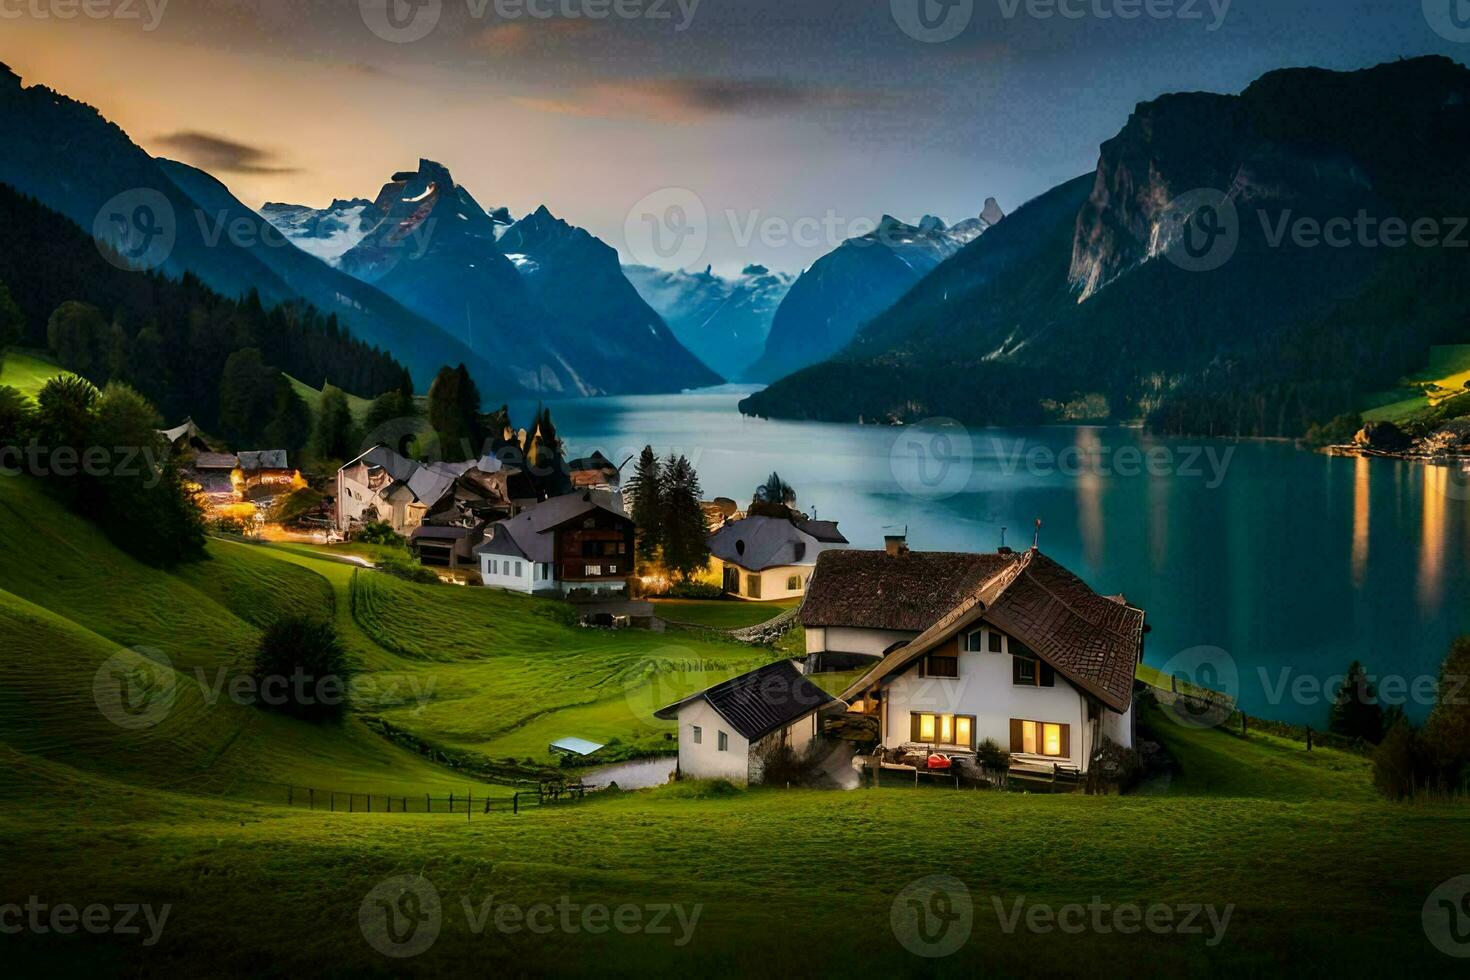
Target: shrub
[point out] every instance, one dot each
(695, 590)
(229, 525)
(409, 570)
(1398, 768)
(301, 669)
(379, 532)
(991, 756)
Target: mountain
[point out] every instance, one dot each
(598, 321)
(1188, 281)
(556, 315)
(724, 322)
(70, 158)
(860, 279)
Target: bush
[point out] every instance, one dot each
(229, 525)
(301, 669)
(410, 570)
(695, 590)
(379, 532)
(1398, 767)
(991, 756)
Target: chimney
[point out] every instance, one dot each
(896, 544)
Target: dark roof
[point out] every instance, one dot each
(215, 461)
(757, 543)
(824, 531)
(529, 528)
(910, 592)
(758, 703)
(263, 459)
(1091, 640)
(444, 532)
(596, 461)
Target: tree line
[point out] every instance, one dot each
(665, 504)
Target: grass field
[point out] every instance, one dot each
(313, 398)
(1445, 377)
(1318, 875)
(722, 614)
(27, 372)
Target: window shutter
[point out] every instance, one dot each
(913, 726)
(1018, 741)
(1066, 740)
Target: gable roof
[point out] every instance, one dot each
(526, 533)
(757, 543)
(759, 702)
(908, 592)
(215, 461)
(1091, 640)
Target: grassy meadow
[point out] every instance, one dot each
(27, 373)
(1446, 376)
(1318, 874)
(720, 614)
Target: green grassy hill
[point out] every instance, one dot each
(1319, 874)
(313, 398)
(1446, 376)
(27, 372)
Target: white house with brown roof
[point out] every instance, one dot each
(576, 542)
(1009, 646)
(764, 558)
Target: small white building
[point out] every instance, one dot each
(1009, 647)
(729, 730)
(765, 558)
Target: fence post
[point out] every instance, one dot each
(515, 803)
(311, 805)
(334, 802)
(469, 807)
(403, 808)
(290, 795)
(351, 802)
(428, 803)
(1309, 738)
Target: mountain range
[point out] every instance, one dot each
(724, 321)
(855, 282)
(1213, 275)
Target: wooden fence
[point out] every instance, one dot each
(468, 803)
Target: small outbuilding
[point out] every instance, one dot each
(727, 731)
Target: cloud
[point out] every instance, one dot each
(697, 99)
(219, 155)
(520, 37)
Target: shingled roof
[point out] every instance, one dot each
(909, 592)
(758, 703)
(1092, 640)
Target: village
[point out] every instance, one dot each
(994, 669)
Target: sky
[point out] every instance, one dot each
(772, 128)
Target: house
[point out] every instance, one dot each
(381, 485)
(450, 546)
(595, 472)
(575, 542)
(213, 474)
(728, 731)
(762, 557)
(1007, 646)
(265, 473)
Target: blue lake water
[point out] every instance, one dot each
(1264, 569)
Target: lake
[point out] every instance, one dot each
(1265, 570)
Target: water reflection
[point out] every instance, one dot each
(1362, 516)
(1431, 543)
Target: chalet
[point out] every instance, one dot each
(729, 730)
(450, 546)
(1009, 646)
(595, 472)
(213, 474)
(762, 557)
(381, 485)
(576, 542)
(265, 473)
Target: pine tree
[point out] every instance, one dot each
(454, 414)
(247, 397)
(685, 529)
(12, 322)
(290, 424)
(1356, 712)
(645, 491)
(333, 437)
(1447, 732)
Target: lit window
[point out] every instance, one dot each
(724, 742)
(935, 729)
(594, 569)
(698, 735)
(946, 729)
(1051, 739)
(926, 728)
(1028, 737)
(1042, 738)
(964, 733)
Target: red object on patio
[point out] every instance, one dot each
(940, 761)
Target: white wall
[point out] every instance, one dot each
(705, 760)
(847, 639)
(1118, 727)
(499, 572)
(985, 689)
